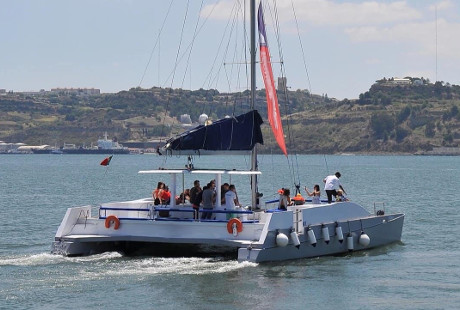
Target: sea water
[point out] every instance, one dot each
(421, 272)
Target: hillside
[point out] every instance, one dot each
(388, 118)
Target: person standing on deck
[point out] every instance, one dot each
(316, 194)
(209, 198)
(331, 185)
(194, 198)
(223, 191)
(231, 200)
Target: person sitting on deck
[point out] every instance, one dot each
(285, 199)
(340, 196)
(183, 197)
(165, 196)
(157, 193)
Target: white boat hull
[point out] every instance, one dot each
(143, 233)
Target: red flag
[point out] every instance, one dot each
(270, 92)
(106, 161)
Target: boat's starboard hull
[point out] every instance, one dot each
(387, 232)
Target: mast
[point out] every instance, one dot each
(254, 166)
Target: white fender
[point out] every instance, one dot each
(350, 242)
(338, 232)
(234, 230)
(281, 240)
(364, 239)
(325, 232)
(311, 236)
(295, 239)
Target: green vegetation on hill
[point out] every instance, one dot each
(388, 118)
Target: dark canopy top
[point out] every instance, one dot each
(238, 133)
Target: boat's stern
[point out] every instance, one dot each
(72, 216)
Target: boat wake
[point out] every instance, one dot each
(114, 264)
(43, 259)
(182, 265)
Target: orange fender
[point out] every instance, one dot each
(298, 200)
(112, 219)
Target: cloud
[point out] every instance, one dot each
(327, 12)
(367, 21)
(443, 5)
(221, 10)
(423, 35)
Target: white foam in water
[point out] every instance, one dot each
(95, 258)
(30, 260)
(115, 265)
(49, 259)
(189, 265)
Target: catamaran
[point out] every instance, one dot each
(256, 233)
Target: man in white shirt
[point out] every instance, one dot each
(332, 184)
(231, 200)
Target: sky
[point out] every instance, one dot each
(334, 47)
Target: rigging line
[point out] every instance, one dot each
(325, 160)
(274, 15)
(304, 63)
(302, 49)
(193, 41)
(215, 80)
(175, 67)
(156, 42)
(246, 64)
(235, 102)
(283, 75)
(235, 56)
(246, 40)
(235, 49)
(180, 42)
(218, 51)
(230, 35)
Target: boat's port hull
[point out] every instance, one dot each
(139, 248)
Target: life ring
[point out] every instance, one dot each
(112, 219)
(239, 225)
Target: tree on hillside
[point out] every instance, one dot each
(430, 130)
(403, 114)
(400, 134)
(382, 124)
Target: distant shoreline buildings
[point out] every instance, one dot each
(56, 91)
(394, 81)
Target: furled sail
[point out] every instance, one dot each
(238, 133)
(270, 91)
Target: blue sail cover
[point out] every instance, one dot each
(238, 133)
